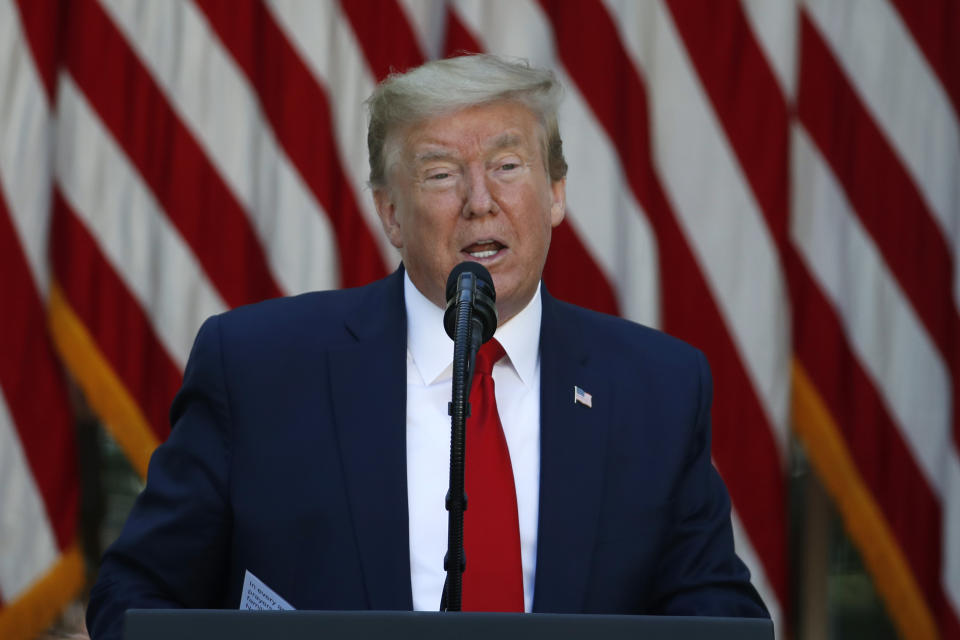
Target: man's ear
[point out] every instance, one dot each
(558, 207)
(387, 210)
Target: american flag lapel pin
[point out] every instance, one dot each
(581, 396)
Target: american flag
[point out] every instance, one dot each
(581, 396)
(774, 181)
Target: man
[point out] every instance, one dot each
(311, 434)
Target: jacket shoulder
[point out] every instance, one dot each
(319, 317)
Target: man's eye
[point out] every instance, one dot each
(510, 166)
(438, 176)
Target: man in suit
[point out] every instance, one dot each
(311, 434)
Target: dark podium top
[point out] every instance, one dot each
(164, 624)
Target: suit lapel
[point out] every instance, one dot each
(572, 448)
(369, 399)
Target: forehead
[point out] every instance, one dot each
(475, 129)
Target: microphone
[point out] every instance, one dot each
(470, 283)
(470, 320)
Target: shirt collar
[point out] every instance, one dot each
(432, 350)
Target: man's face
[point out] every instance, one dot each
(472, 185)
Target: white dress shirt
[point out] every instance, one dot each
(429, 387)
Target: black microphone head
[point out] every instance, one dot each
(478, 270)
(484, 297)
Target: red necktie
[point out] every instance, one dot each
(493, 580)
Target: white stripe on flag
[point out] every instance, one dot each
(892, 344)
(215, 102)
(25, 172)
(758, 577)
(775, 26)
(27, 544)
(901, 91)
(428, 19)
(605, 214)
(324, 39)
(950, 565)
(130, 228)
(715, 207)
(883, 331)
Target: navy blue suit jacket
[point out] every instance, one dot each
(287, 459)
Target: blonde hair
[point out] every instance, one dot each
(441, 87)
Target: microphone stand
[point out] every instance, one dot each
(469, 337)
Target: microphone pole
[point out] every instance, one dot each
(470, 319)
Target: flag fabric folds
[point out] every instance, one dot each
(775, 181)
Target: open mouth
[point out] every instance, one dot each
(484, 249)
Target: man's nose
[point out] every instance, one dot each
(478, 199)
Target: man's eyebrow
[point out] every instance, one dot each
(505, 140)
(428, 155)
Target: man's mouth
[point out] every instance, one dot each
(483, 249)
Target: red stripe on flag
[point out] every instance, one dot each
(571, 273)
(299, 113)
(43, 25)
(113, 317)
(34, 387)
(935, 25)
(745, 95)
(185, 183)
(884, 197)
(882, 457)
(741, 430)
(747, 99)
(458, 38)
(385, 35)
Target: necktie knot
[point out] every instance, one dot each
(488, 355)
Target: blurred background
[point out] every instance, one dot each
(774, 181)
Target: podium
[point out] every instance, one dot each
(194, 624)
